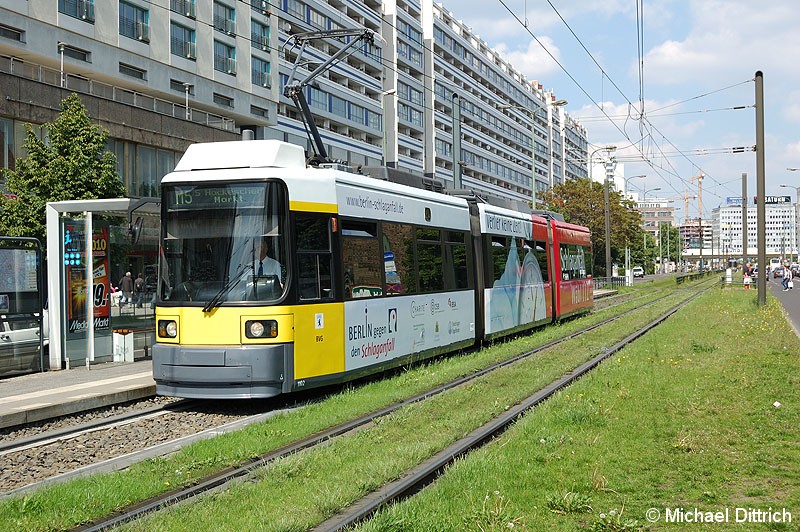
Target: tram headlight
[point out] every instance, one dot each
(261, 329)
(167, 328)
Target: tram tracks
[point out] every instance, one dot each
(244, 470)
(428, 471)
(108, 443)
(113, 443)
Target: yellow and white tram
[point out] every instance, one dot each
(275, 277)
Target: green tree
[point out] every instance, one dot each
(582, 202)
(67, 160)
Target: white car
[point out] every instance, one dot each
(638, 271)
(19, 343)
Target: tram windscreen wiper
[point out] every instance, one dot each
(216, 301)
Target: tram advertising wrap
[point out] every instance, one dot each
(518, 295)
(388, 328)
(276, 277)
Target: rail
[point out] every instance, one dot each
(221, 478)
(83, 84)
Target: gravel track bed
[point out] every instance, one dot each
(20, 432)
(27, 466)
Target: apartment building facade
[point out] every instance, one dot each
(161, 74)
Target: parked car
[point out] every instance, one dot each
(638, 271)
(19, 343)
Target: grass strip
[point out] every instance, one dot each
(65, 505)
(701, 415)
(298, 492)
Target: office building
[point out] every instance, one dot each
(780, 228)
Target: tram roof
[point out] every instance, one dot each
(241, 154)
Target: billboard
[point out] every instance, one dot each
(774, 200)
(734, 201)
(75, 276)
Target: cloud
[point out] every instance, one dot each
(535, 62)
(728, 39)
(792, 152)
(791, 107)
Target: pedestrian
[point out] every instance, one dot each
(138, 290)
(126, 285)
(114, 299)
(746, 280)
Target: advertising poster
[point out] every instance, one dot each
(75, 276)
(377, 330)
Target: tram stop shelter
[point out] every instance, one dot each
(81, 272)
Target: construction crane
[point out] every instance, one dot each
(685, 198)
(699, 178)
(295, 89)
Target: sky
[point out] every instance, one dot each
(698, 65)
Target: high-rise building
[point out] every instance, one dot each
(161, 74)
(779, 228)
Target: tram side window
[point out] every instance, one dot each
(363, 271)
(504, 259)
(539, 249)
(398, 259)
(456, 274)
(314, 258)
(587, 259)
(429, 259)
(573, 264)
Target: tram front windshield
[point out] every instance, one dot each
(223, 243)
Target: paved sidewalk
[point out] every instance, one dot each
(38, 396)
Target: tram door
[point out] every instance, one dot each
(319, 320)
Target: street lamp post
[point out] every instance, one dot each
(608, 149)
(456, 103)
(187, 88)
(796, 214)
(530, 113)
(660, 250)
(629, 178)
(628, 273)
(551, 109)
(644, 199)
(388, 110)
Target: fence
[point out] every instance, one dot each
(679, 279)
(607, 282)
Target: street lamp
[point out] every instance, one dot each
(796, 213)
(530, 113)
(629, 178)
(550, 123)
